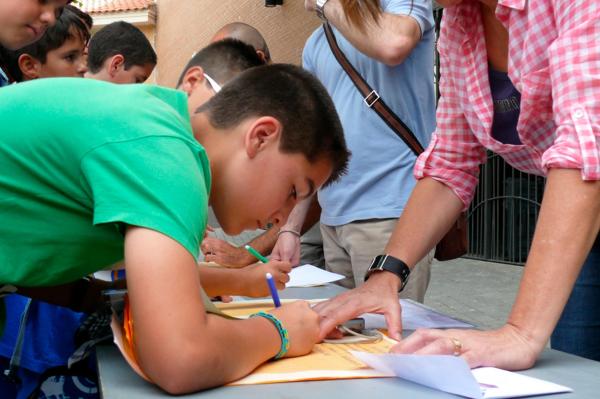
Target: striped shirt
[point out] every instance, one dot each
(554, 62)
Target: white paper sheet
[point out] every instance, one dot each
(310, 276)
(416, 316)
(452, 374)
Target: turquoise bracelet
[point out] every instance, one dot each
(283, 333)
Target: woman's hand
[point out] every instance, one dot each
(507, 348)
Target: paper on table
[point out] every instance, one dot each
(416, 316)
(325, 362)
(452, 374)
(309, 276)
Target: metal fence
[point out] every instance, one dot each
(503, 213)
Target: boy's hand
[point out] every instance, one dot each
(225, 254)
(302, 324)
(255, 281)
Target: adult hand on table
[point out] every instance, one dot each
(378, 295)
(506, 348)
(225, 254)
(287, 248)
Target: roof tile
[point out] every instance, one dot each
(108, 6)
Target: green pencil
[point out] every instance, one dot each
(256, 254)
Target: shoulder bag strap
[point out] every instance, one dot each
(371, 97)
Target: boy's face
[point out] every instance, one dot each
(135, 74)
(113, 70)
(67, 60)
(260, 184)
(23, 22)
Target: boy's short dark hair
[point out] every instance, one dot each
(120, 38)
(223, 60)
(293, 96)
(84, 16)
(71, 22)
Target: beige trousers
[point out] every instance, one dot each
(350, 248)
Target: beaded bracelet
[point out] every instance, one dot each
(294, 232)
(283, 333)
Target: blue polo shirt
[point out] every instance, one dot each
(380, 174)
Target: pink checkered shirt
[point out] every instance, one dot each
(554, 61)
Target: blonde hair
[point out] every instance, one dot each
(360, 12)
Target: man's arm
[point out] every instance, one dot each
(179, 346)
(389, 41)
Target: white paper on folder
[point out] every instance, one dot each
(452, 374)
(309, 276)
(416, 316)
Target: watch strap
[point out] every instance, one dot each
(392, 265)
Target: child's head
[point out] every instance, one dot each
(120, 53)
(219, 62)
(22, 22)
(247, 34)
(60, 52)
(273, 137)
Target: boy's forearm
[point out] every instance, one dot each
(220, 281)
(568, 224)
(227, 358)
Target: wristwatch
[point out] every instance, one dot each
(320, 9)
(390, 264)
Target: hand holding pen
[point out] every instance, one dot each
(257, 285)
(301, 322)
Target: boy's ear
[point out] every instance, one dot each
(191, 79)
(117, 62)
(30, 67)
(261, 54)
(263, 132)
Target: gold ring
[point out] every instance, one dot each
(457, 346)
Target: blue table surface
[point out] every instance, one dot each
(118, 381)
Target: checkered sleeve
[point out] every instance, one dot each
(575, 76)
(454, 153)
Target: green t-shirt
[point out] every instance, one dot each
(79, 160)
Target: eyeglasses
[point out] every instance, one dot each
(213, 84)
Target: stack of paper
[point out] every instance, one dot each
(452, 374)
(310, 276)
(415, 315)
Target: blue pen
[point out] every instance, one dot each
(273, 290)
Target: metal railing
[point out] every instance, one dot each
(503, 213)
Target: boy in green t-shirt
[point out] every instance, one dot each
(104, 172)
